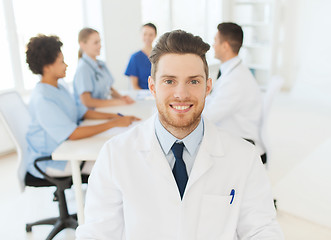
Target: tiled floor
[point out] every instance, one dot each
(292, 139)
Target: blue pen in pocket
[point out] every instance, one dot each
(232, 194)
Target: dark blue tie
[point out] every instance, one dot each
(179, 169)
(218, 74)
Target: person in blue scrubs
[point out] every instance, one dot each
(93, 82)
(54, 114)
(139, 67)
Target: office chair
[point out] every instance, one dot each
(274, 86)
(16, 118)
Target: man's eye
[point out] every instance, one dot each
(195, 81)
(168, 81)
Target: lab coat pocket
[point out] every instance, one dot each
(214, 216)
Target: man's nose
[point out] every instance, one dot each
(182, 91)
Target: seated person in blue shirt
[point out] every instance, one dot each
(54, 114)
(139, 67)
(93, 82)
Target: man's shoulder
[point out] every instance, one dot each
(214, 131)
(136, 135)
(229, 142)
(241, 69)
(241, 77)
(237, 151)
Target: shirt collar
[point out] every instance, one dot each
(228, 65)
(166, 139)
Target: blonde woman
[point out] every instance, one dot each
(93, 82)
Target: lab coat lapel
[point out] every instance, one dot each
(158, 162)
(150, 148)
(210, 149)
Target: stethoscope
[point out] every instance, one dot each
(95, 71)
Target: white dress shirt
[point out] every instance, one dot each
(191, 143)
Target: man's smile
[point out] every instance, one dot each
(182, 108)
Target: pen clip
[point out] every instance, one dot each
(232, 194)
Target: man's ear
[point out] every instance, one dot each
(151, 85)
(209, 86)
(227, 46)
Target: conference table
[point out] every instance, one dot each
(87, 149)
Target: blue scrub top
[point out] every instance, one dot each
(54, 116)
(139, 66)
(92, 76)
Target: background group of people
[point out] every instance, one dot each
(55, 114)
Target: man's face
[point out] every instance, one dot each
(180, 88)
(219, 46)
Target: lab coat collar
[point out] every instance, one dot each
(229, 65)
(211, 148)
(166, 139)
(210, 130)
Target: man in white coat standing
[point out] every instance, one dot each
(177, 176)
(235, 103)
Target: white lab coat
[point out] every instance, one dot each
(132, 193)
(235, 103)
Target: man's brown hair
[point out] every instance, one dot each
(233, 34)
(178, 42)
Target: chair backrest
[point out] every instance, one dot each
(274, 86)
(16, 117)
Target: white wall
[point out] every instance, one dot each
(314, 50)
(306, 48)
(122, 22)
(289, 21)
(92, 12)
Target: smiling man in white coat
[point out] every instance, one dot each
(235, 103)
(177, 176)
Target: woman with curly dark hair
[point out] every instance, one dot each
(54, 114)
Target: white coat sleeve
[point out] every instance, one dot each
(104, 205)
(257, 218)
(223, 101)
